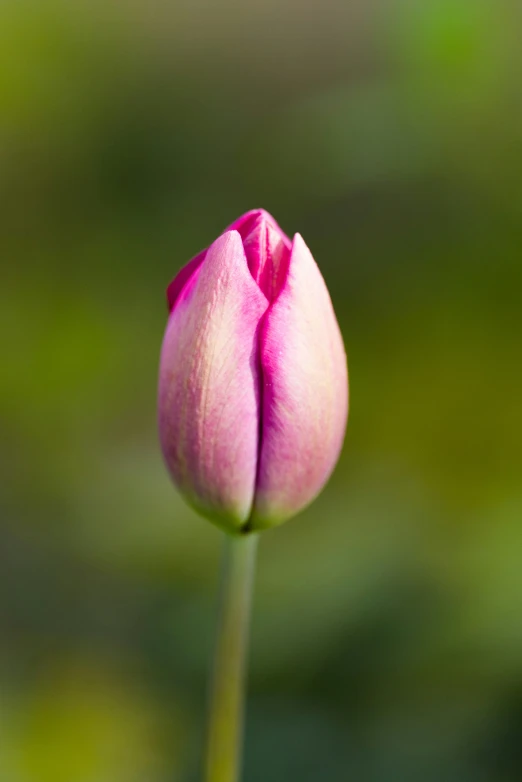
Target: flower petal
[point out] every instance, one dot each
(305, 393)
(209, 385)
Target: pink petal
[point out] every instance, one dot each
(209, 385)
(305, 393)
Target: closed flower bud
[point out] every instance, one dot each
(253, 386)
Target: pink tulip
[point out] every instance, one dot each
(253, 387)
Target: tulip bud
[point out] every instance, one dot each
(253, 385)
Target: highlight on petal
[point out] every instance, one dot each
(209, 384)
(304, 396)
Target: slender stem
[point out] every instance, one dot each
(225, 726)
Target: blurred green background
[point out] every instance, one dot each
(387, 638)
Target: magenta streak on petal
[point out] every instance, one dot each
(305, 393)
(244, 224)
(181, 279)
(267, 250)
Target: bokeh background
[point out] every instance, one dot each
(387, 638)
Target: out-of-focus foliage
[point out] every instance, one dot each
(388, 631)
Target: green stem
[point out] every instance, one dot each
(225, 726)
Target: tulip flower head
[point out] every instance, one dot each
(253, 386)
